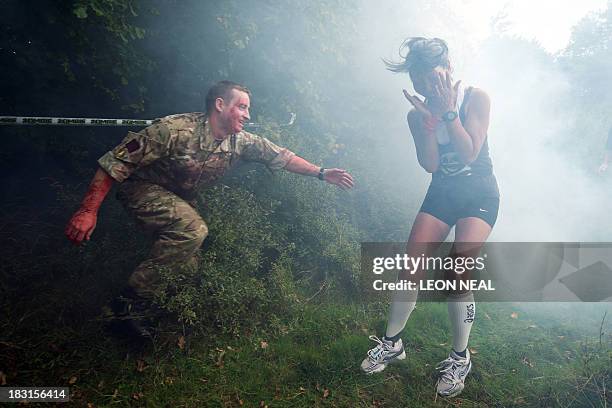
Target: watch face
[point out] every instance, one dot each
(450, 116)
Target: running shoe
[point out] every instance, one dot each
(385, 352)
(453, 371)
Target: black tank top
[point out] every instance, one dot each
(451, 166)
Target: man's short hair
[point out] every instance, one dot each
(222, 90)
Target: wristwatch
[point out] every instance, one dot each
(449, 116)
(321, 175)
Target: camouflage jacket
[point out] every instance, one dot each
(180, 154)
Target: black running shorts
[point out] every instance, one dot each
(452, 198)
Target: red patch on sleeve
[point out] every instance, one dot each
(132, 146)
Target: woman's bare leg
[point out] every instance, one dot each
(472, 229)
(425, 237)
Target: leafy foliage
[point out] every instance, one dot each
(281, 248)
(587, 61)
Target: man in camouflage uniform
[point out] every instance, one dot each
(160, 170)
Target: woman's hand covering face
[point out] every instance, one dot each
(428, 120)
(445, 93)
(418, 104)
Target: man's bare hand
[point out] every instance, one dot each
(83, 222)
(338, 177)
(81, 226)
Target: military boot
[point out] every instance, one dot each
(133, 315)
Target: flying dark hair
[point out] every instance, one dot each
(222, 89)
(423, 54)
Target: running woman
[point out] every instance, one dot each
(449, 127)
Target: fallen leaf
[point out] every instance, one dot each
(262, 404)
(514, 315)
(2, 378)
(181, 342)
(116, 393)
(442, 344)
(90, 405)
(302, 389)
(169, 380)
(473, 351)
(204, 380)
(264, 344)
(219, 362)
(325, 393)
(140, 365)
(72, 380)
(532, 326)
(561, 337)
(137, 396)
(526, 361)
(101, 384)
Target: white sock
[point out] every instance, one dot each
(401, 308)
(461, 312)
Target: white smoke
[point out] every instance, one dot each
(544, 195)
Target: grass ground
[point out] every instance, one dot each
(521, 356)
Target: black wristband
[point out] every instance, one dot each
(321, 175)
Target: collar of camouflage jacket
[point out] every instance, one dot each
(208, 141)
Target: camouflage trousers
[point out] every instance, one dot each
(177, 227)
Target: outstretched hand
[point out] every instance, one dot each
(81, 226)
(339, 177)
